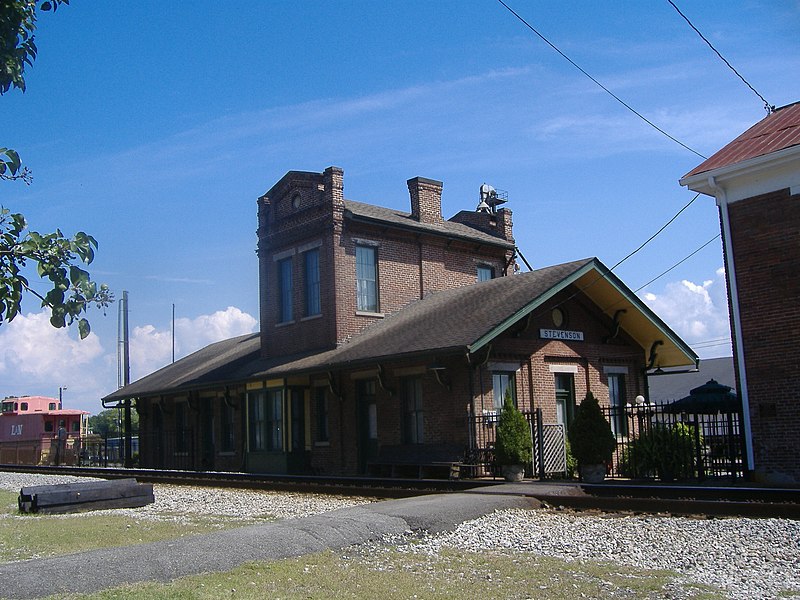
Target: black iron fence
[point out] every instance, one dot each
(653, 442)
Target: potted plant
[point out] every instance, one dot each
(513, 446)
(591, 440)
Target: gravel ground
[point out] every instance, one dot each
(176, 502)
(747, 558)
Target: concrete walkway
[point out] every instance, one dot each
(163, 561)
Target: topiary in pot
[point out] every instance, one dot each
(591, 440)
(513, 446)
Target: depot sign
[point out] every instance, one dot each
(559, 334)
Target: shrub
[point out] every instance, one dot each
(664, 451)
(590, 436)
(513, 445)
(572, 464)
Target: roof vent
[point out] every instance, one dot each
(491, 199)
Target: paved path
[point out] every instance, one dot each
(163, 561)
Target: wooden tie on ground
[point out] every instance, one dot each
(90, 495)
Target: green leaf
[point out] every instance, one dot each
(78, 276)
(83, 328)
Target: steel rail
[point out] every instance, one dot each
(611, 496)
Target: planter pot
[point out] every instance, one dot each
(593, 473)
(513, 472)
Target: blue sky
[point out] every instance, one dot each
(154, 126)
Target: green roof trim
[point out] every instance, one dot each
(511, 320)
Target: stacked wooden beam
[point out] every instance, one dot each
(90, 495)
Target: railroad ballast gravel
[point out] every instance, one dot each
(747, 558)
(177, 502)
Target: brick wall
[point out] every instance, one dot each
(426, 199)
(307, 208)
(765, 236)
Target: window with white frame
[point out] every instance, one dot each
(616, 399)
(367, 279)
(266, 420)
(503, 382)
(485, 273)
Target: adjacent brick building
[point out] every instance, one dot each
(756, 182)
(388, 336)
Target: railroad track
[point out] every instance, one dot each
(342, 486)
(694, 500)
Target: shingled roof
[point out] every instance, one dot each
(368, 213)
(211, 365)
(456, 321)
(777, 131)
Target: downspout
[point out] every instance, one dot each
(722, 202)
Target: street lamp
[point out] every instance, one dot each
(61, 390)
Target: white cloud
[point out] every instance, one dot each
(698, 312)
(151, 348)
(37, 359)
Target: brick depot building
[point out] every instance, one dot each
(756, 182)
(389, 333)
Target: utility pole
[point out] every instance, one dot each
(124, 375)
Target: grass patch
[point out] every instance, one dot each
(392, 574)
(26, 536)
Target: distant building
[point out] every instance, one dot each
(674, 386)
(756, 182)
(37, 430)
(391, 338)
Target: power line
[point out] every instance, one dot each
(769, 107)
(604, 88)
(712, 343)
(652, 237)
(677, 264)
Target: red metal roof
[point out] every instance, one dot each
(776, 131)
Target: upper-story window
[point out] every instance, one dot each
(312, 297)
(51, 406)
(285, 290)
(485, 273)
(367, 278)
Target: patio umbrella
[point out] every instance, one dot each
(710, 398)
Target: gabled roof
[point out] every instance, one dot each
(777, 131)
(456, 321)
(368, 213)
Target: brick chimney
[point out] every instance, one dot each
(426, 199)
